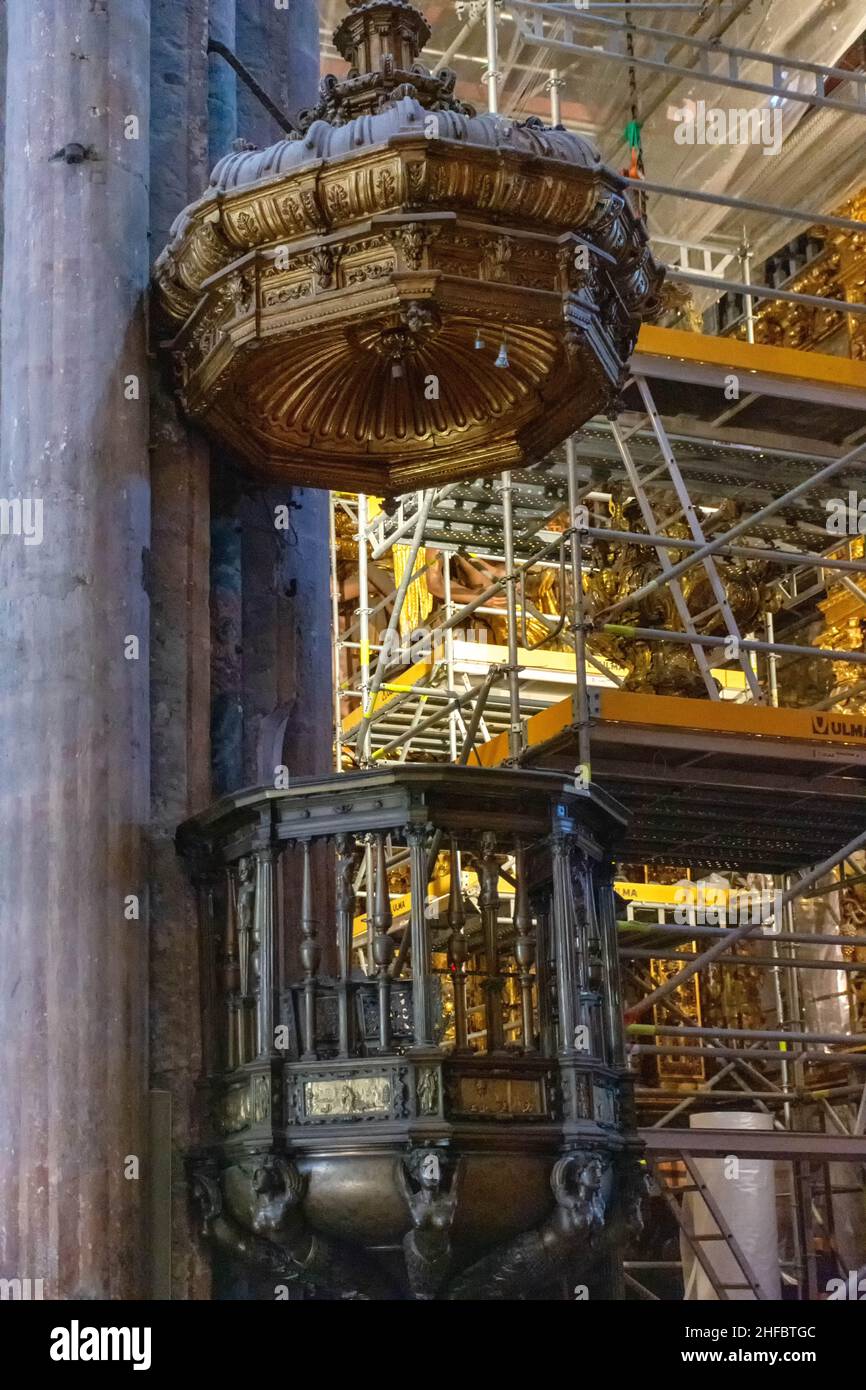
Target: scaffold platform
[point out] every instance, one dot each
(703, 781)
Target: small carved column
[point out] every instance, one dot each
(234, 1005)
(416, 839)
(215, 982)
(383, 946)
(311, 954)
(489, 901)
(345, 903)
(264, 945)
(610, 950)
(589, 965)
(458, 950)
(544, 947)
(563, 935)
(242, 945)
(524, 947)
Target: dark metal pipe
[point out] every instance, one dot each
(282, 120)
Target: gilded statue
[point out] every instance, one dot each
(623, 568)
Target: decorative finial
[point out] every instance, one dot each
(381, 40)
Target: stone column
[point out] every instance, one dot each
(222, 81)
(285, 583)
(286, 595)
(179, 667)
(74, 647)
(280, 46)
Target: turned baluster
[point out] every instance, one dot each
(246, 1018)
(235, 1005)
(489, 902)
(383, 945)
(311, 954)
(215, 979)
(369, 892)
(345, 904)
(458, 950)
(564, 948)
(615, 1051)
(263, 980)
(524, 947)
(544, 973)
(590, 967)
(422, 1022)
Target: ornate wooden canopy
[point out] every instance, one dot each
(403, 291)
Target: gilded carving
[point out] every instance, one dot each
(290, 207)
(247, 226)
(322, 265)
(497, 257)
(838, 271)
(499, 1097)
(386, 186)
(240, 294)
(669, 670)
(236, 1110)
(378, 430)
(357, 1095)
(427, 1089)
(373, 270)
(288, 294)
(261, 1099)
(337, 201)
(411, 240)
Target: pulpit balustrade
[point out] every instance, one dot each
(412, 1030)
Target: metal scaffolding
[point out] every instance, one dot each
(522, 525)
(521, 660)
(469, 683)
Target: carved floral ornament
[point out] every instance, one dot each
(337, 300)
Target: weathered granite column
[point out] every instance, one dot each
(74, 646)
(280, 47)
(226, 571)
(180, 669)
(286, 595)
(222, 81)
(285, 573)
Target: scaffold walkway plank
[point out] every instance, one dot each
(713, 783)
(767, 1144)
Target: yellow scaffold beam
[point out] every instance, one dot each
(679, 712)
(757, 359)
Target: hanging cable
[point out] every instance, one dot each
(635, 169)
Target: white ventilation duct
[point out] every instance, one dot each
(826, 1005)
(744, 1190)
